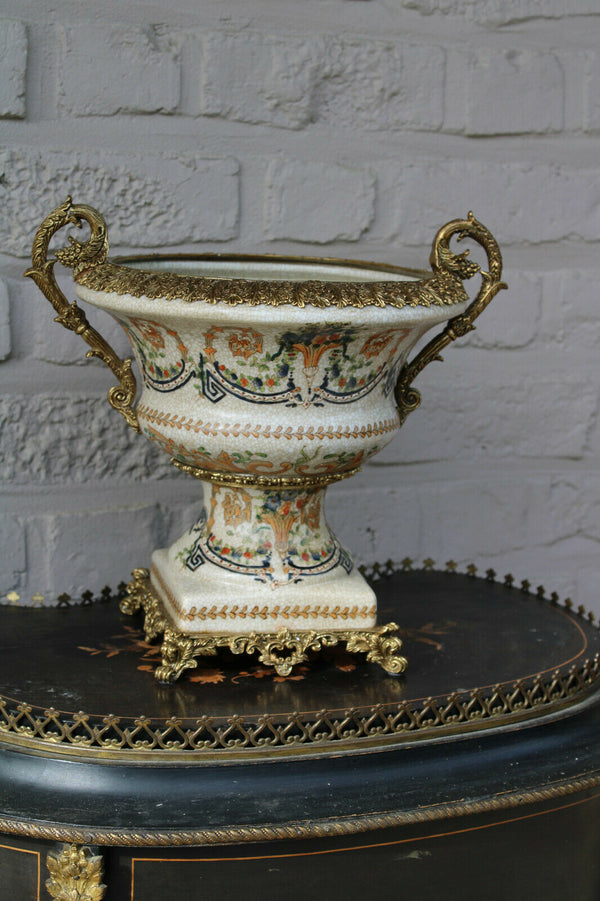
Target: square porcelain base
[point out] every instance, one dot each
(280, 648)
(212, 603)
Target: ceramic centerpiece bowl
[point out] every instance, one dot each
(268, 379)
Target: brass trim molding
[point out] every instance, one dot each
(300, 829)
(92, 269)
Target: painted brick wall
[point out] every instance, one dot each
(335, 127)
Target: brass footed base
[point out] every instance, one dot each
(282, 649)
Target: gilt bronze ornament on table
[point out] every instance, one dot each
(268, 378)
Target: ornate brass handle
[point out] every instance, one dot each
(446, 264)
(80, 256)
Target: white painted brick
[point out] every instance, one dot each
(552, 319)
(579, 300)
(117, 69)
(376, 523)
(148, 201)
(12, 554)
(13, 69)
(72, 439)
(381, 85)
(513, 92)
(518, 202)
(97, 548)
(318, 202)
(38, 579)
(349, 82)
(594, 438)
(512, 319)
(259, 78)
(53, 343)
(41, 338)
(575, 506)
(87, 542)
(496, 516)
(5, 342)
(504, 12)
(591, 92)
(568, 318)
(468, 414)
(567, 567)
(584, 568)
(535, 527)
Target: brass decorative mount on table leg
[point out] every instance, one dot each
(282, 649)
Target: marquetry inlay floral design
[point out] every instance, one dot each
(131, 640)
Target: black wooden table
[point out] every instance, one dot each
(475, 775)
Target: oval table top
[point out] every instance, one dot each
(500, 700)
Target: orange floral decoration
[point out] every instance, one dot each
(245, 343)
(152, 332)
(319, 345)
(237, 507)
(376, 343)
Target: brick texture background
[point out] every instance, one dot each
(350, 128)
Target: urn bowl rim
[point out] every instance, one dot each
(338, 270)
(271, 280)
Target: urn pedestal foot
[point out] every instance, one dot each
(281, 649)
(261, 559)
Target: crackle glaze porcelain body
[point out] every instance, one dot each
(290, 393)
(268, 379)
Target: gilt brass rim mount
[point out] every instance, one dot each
(241, 480)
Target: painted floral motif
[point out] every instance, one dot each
(245, 343)
(376, 343)
(163, 356)
(308, 461)
(311, 365)
(308, 366)
(286, 538)
(237, 507)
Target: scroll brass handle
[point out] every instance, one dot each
(80, 256)
(446, 264)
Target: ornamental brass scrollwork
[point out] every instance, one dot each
(443, 260)
(81, 256)
(75, 875)
(282, 649)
